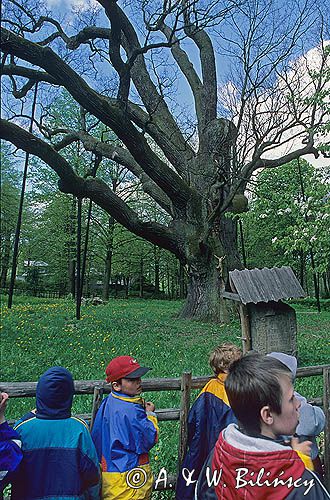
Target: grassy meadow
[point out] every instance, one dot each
(39, 333)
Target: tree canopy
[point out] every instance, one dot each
(255, 73)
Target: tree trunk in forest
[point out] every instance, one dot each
(181, 281)
(71, 248)
(116, 287)
(84, 259)
(107, 275)
(326, 285)
(141, 279)
(156, 265)
(168, 282)
(302, 268)
(78, 257)
(108, 261)
(5, 262)
(126, 283)
(72, 277)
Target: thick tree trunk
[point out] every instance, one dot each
(208, 276)
(203, 300)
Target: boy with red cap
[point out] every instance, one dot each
(124, 431)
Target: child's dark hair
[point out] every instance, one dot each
(223, 356)
(254, 382)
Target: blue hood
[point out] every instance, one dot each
(54, 396)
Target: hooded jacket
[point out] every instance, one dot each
(209, 414)
(123, 434)
(255, 468)
(59, 458)
(311, 418)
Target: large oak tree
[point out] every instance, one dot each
(121, 62)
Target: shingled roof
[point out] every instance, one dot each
(264, 285)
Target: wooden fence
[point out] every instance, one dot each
(41, 293)
(184, 384)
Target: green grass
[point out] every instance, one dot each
(39, 333)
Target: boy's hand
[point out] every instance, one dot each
(150, 406)
(304, 447)
(3, 403)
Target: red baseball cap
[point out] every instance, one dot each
(124, 367)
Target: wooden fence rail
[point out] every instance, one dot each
(28, 389)
(184, 384)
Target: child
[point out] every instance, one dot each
(10, 447)
(311, 419)
(207, 417)
(59, 458)
(124, 431)
(248, 459)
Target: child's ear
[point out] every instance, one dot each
(116, 386)
(266, 415)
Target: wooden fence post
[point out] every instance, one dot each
(326, 409)
(245, 328)
(184, 410)
(97, 400)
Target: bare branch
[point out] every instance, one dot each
(101, 107)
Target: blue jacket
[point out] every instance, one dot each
(209, 414)
(59, 458)
(123, 434)
(10, 453)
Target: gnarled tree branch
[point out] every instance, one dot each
(177, 190)
(94, 189)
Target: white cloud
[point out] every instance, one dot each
(274, 110)
(72, 4)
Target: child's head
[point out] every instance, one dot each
(223, 356)
(260, 392)
(54, 394)
(124, 374)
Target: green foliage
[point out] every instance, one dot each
(311, 303)
(289, 215)
(10, 199)
(9, 210)
(33, 279)
(50, 235)
(53, 238)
